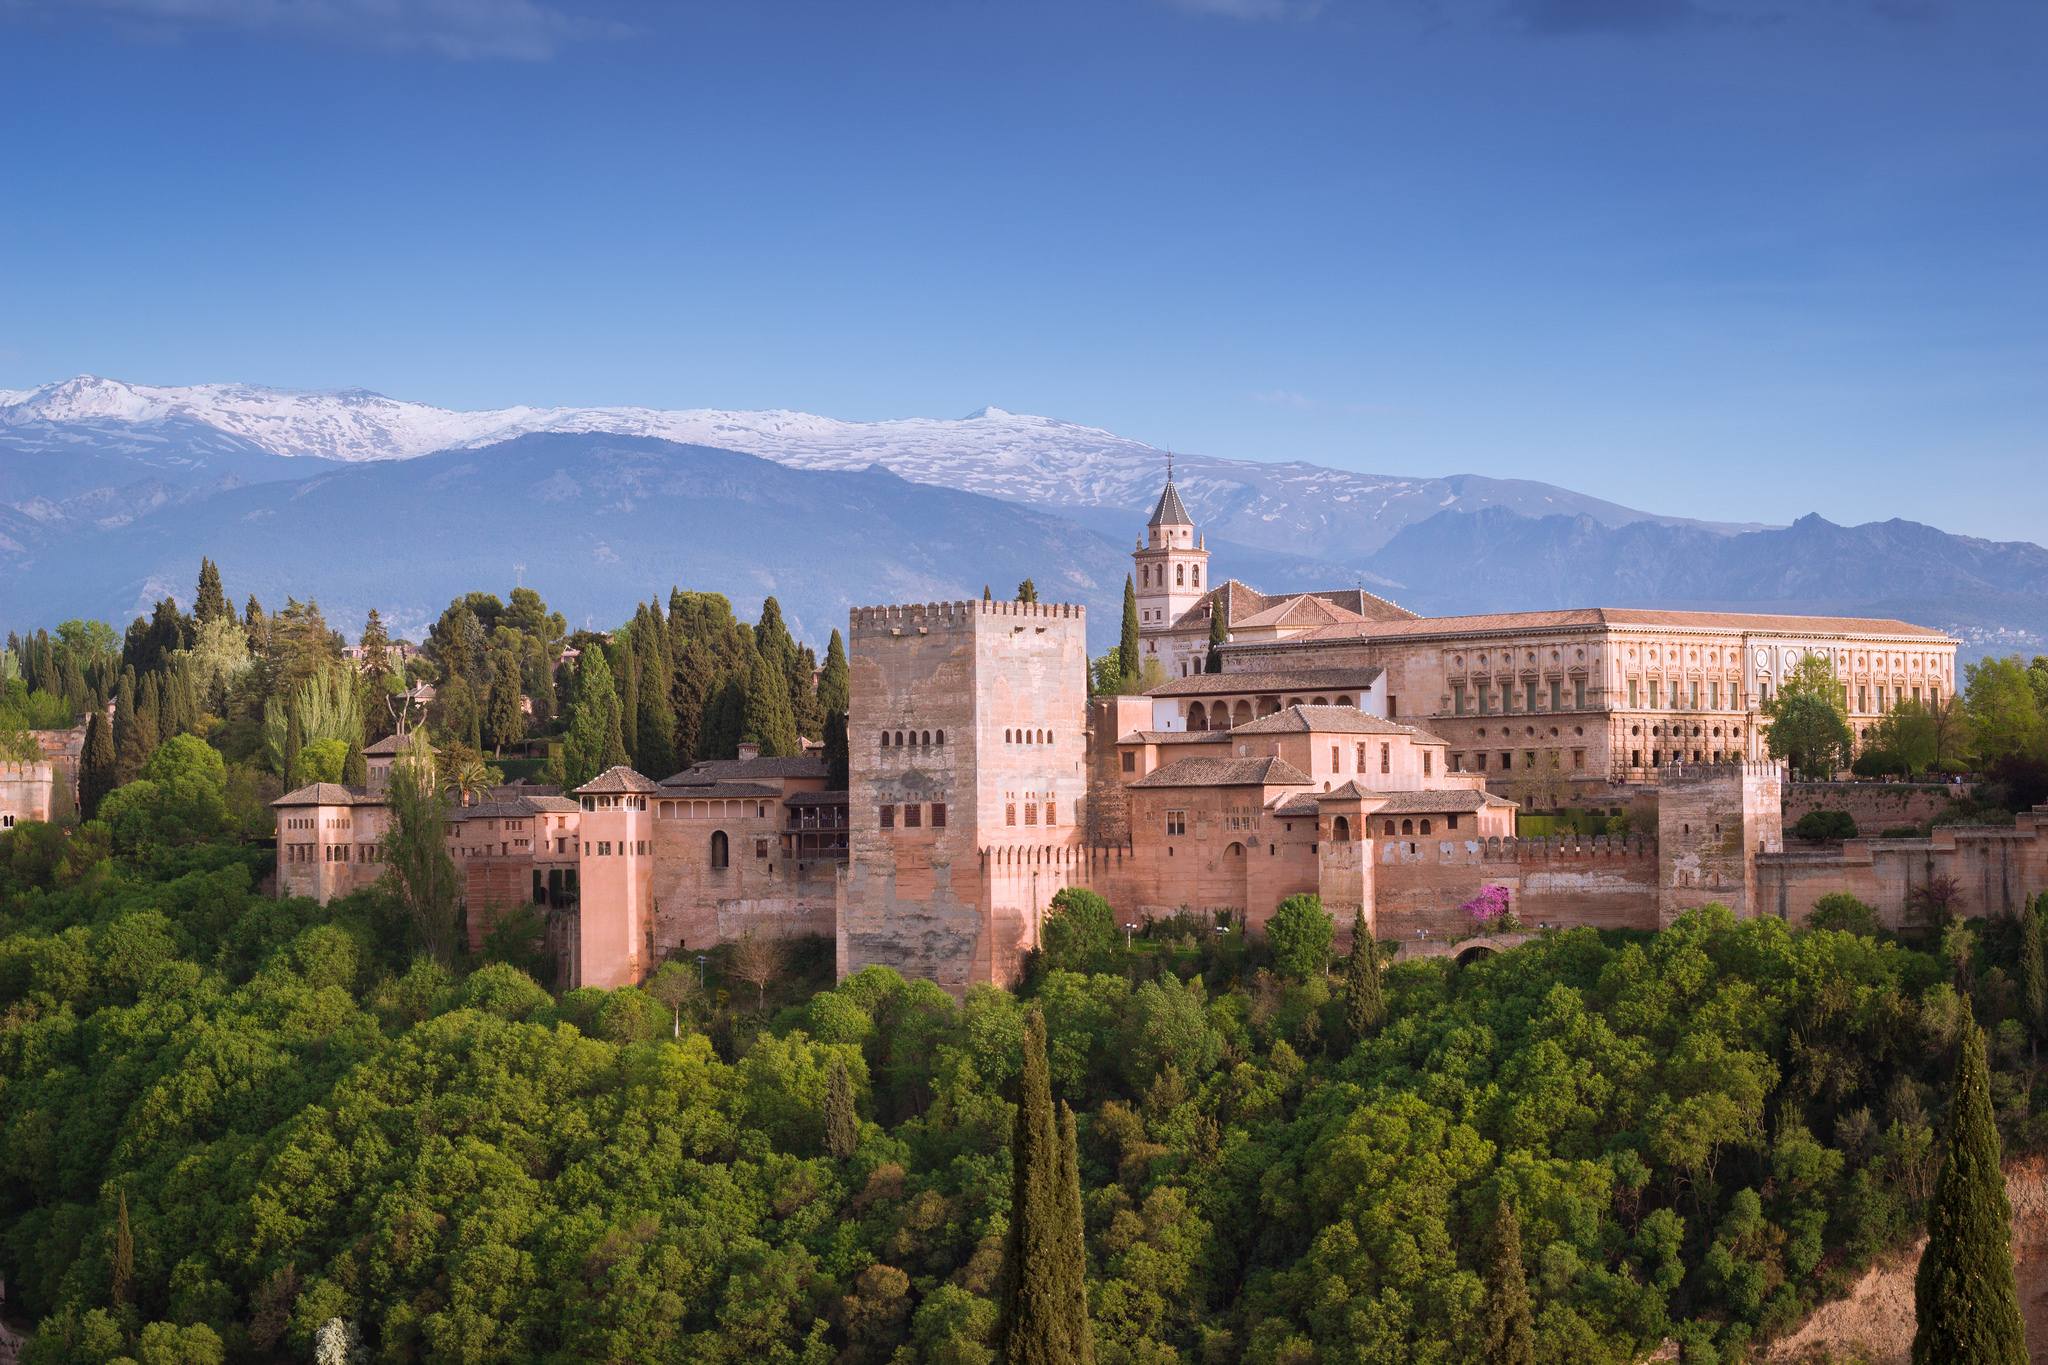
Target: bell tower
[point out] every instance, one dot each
(1171, 568)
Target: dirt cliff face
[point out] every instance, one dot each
(1875, 1322)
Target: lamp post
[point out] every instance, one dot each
(701, 960)
(1127, 936)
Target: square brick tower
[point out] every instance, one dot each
(968, 784)
(616, 869)
(1712, 821)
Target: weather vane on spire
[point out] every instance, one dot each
(1169, 466)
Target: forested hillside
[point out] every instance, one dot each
(226, 1120)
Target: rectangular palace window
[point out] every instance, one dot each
(1050, 818)
(938, 815)
(1009, 812)
(888, 817)
(1386, 757)
(1176, 822)
(913, 816)
(1030, 812)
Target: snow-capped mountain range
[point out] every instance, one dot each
(1295, 507)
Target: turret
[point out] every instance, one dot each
(1171, 564)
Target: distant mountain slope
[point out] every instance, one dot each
(1293, 508)
(598, 522)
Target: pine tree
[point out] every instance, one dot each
(124, 1256)
(1219, 629)
(96, 766)
(835, 685)
(1127, 649)
(986, 595)
(294, 741)
(376, 644)
(355, 769)
(1965, 1297)
(252, 615)
(1507, 1335)
(1036, 1323)
(211, 604)
(842, 1125)
(1027, 591)
(768, 720)
(1364, 1007)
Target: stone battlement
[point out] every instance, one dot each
(956, 615)
(1686, 774)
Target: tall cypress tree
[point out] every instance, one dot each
(1364, 1007)
(212, 603)
(1127, 649)
(768, 720)
(842, 1124)
(1219, 629)
(96, 768)
(1507, 1335)
(355, 769)
(1073, 1249)
(838, 762)
(626, 681)
(507, 721)
(1965, 1297)
(148, 717)
(614, 753)
(696, 682)
(2034, 968)
(655, 714)
(124, 1256)
(835, 686)
(128, 758)
(1036, 1323)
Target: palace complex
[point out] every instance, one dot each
(1343, 747)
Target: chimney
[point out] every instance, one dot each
(748, 751)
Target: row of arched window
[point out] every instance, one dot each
(1027, 736)
(924, 739)
(1179, 576)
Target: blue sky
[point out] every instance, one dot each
(1719, 258)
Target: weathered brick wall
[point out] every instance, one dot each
(1875, 806)
(1421, 884)
(25, 790)
(1996, 871)
(697, 906)
(1712, 822)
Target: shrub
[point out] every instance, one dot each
(1843, 911)
(1900, 832)
(1825, 824)
(1079, 927)
(1299, 936)
(1878, 763)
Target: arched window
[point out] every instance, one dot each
(899, 739)
(1340, 830)
(721, 855)
(941, 739)
(1407, 826)
(1198, 717)
(1180, 575)
(1048, 736)
(1041, 736)
(1343, 701)
(927, 741)
(1145, 576)
(1425, 826)
(1234, 851)
(1320, 701)
(1006, 736)
(885, 739)
(1241, 714)
(1198, 575)
(1390, 827)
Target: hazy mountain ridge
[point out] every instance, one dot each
(1292, 508)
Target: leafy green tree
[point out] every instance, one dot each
(418, 873)
(595, 741)
(842, 1125)
(2005, 714)
(293, 745)
(690, 695)
(1365, 1008)
(1825, 824)
(1508, 1336)
(1027, 591)
(1127, 645)
(1299, 936)
(674, 985)
(324, 760)
(1809, 724)
(96, 765)
(1966, 1302)
(1079, 929)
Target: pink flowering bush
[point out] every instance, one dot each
(1493, 908)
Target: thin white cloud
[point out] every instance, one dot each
(1252, 9)
(519, 30)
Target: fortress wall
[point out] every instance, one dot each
(1875, 806)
